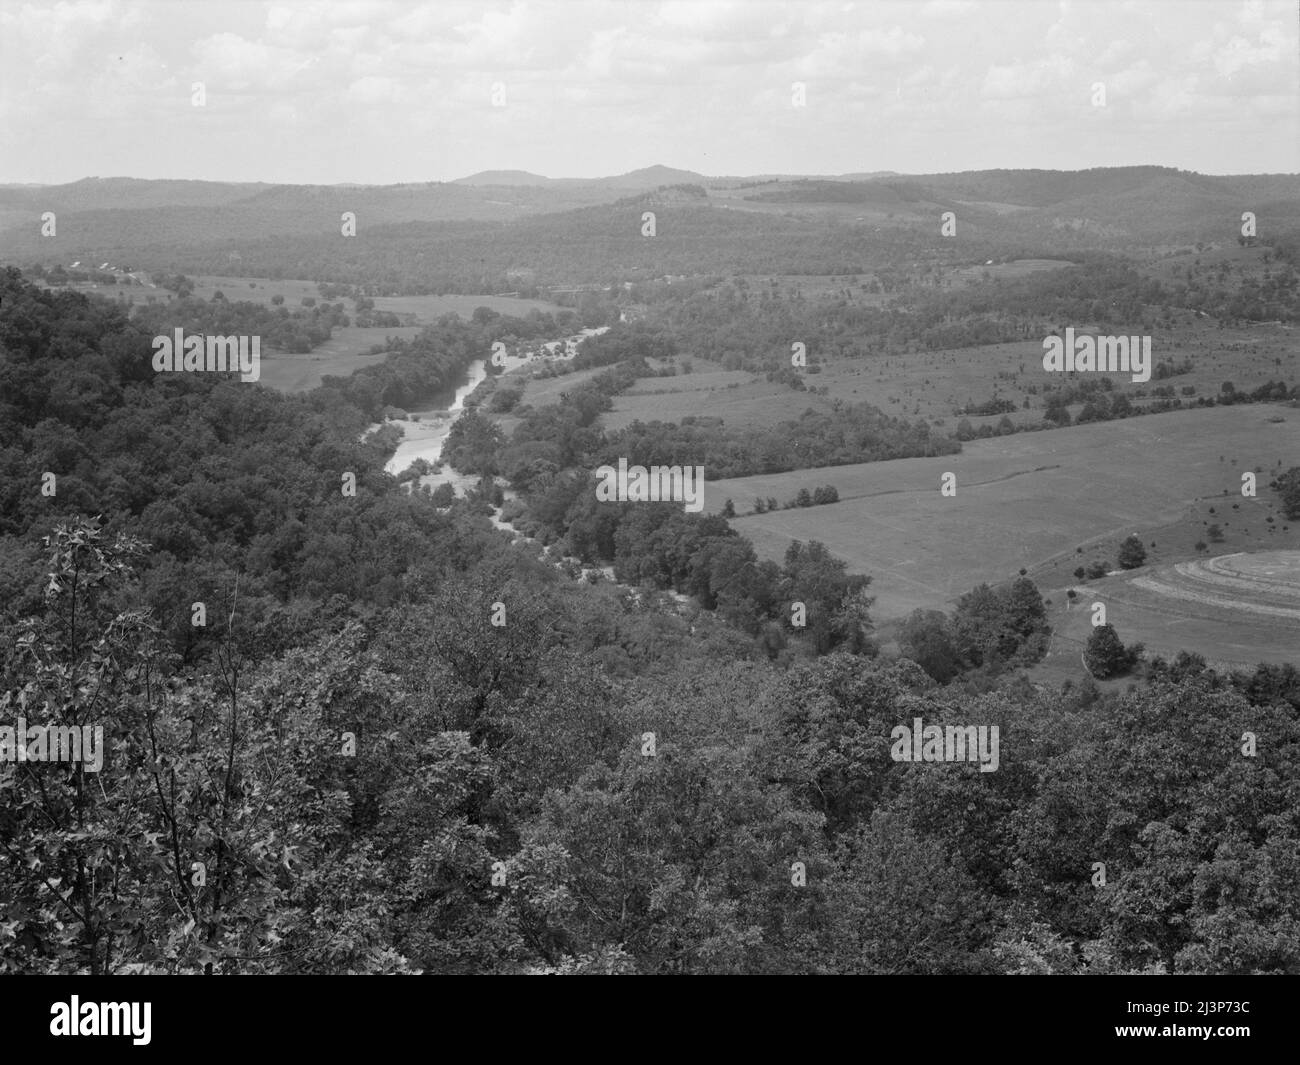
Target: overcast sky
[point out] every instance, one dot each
(379, 92)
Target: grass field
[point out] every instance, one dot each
(1030, 501)
(339, 356)
(1234, 610)
(429, 309)
(739, 397)
(1010, 271)
(541, 391)
(933, 385)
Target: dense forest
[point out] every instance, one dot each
(398, 742)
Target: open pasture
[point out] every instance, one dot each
(339, 356)
(1021, 501)
(428, 309)
(738, 397)
(932, 385)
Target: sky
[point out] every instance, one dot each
(377, 92)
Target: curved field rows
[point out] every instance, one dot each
(1234, 610)
(1267, 584)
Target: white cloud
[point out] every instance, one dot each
(1035, 77)
(594, 85)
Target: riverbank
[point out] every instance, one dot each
(425, 432)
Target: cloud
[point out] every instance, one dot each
(593, 85)
(371, 91)
(1032, 78)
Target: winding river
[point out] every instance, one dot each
(425, 432)
(424, 439)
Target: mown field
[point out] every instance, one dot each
(1234, 610)
(1029, 501)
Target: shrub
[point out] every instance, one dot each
(1131, 553)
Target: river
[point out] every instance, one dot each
(424, 432)
(424, 438)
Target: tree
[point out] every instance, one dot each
(1105, 656)
(1287, 486)
(926, 639)
(176, 853)
(1057, 412)
(1131, 553)
(995, 626)
(872, 932)
(835, 600)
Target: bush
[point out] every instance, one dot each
(1131, 553)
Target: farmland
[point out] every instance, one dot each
(430, 308)
(339, 356)
(1234, 610)
(1027, 500)
(933, 385)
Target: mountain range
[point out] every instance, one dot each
(151, 220)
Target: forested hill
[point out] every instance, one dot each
(219, 476)
(582, 246)
(475, 237)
